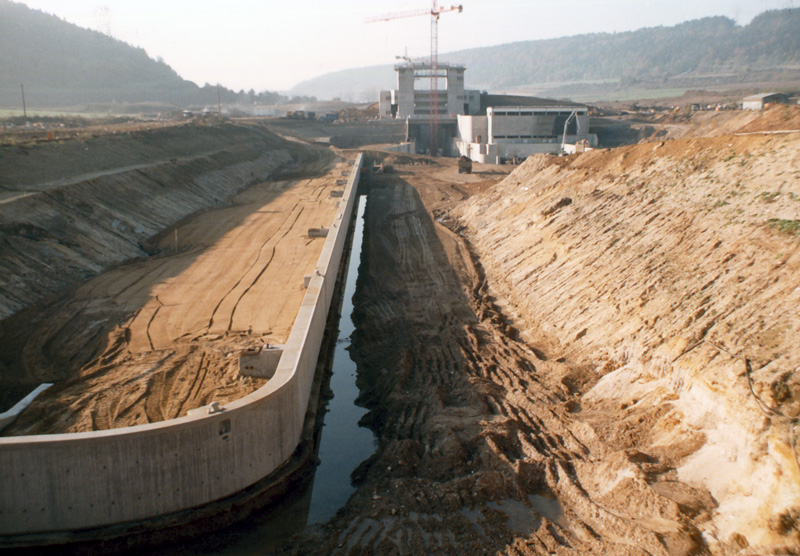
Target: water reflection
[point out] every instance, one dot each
(344, 444)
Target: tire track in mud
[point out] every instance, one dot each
(150, 323)
(263, 269)
(255, 262)
(159, 390)
(199, 377)
(317, 191)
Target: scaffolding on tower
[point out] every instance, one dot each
(434, 12)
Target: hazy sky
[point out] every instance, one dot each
(273, 45)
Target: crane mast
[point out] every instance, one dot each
(434, 12)
(434, 79)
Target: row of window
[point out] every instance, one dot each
(527, 140)
(535, 113)
(523, 136)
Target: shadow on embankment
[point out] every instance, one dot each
(437, 364)
(52, 339)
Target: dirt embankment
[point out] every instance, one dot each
(340, 134)
(478, 445)
(597, 355)
(777, 118)
(667, 275)
(70, 209)
(653, 126)
(561, 363)
(219, 253)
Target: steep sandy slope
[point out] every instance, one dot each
(680, 125)
(477, 447)
(69, 209)
(151, 339)
(666, 276)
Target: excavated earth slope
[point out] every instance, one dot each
(69, 209)
(597, 355)
(479, 450)
(667, 275)
(210, 223)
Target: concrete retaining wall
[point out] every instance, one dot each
(64, 482)
(406, 148)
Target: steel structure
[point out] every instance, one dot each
(434, 12)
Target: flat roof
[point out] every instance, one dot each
(519, 101)
(529, 108)
(427, 65)
(762, 96)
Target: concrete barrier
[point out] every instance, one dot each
(64, 482)
(407, 148)
(8, 417)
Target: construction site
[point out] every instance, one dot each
(474, 324)
(583, 354)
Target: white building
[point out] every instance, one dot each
(484, 127)
(758, 102)
(411, 101)
(508, 132)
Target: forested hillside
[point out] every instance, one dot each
(683, 54)
(62, 65)
(709, 45)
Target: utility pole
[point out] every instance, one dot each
(219, 103)
(24, 107)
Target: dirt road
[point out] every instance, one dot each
(168, 329)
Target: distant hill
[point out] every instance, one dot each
(63, 65)
(689, 54)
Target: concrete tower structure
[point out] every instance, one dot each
(481, 126)
(411, 101)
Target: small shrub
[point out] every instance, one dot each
(791, 227)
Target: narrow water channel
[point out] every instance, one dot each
(343, 446)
